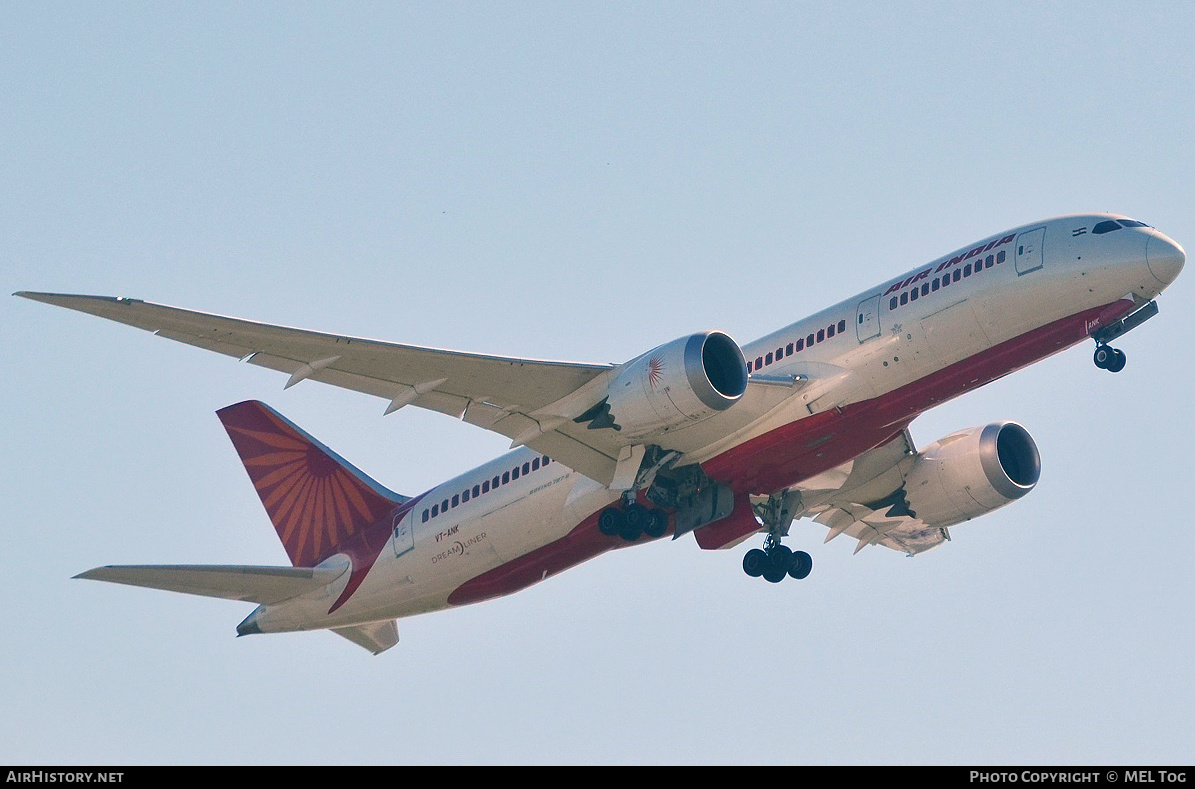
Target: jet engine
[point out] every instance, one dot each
(972, 472)
(678, 383)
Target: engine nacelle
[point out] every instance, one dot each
(678, 383)
(971, 473)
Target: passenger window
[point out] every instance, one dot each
(830, 330)
(935, 284)
(476, 491)
(801, 344)
(456, 500)
(748, 366)
(444, 505)
(967, 270)
(526, 469)
(892, 304)
(485, 486)
(991, 261)
(768, 359)
(435, 510)
(904, 298)
(758, 362)
(788, 350)
(535, 465)
(465, 495)
(425, 516)
(842, 325)
(506, 477)
(514, 473)
(809, 340)
(1001, 256)
(913, 294)
(821, 334)
(957, 275)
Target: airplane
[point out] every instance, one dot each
(697, 435)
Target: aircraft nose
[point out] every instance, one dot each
(1164, 257)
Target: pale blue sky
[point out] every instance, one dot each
(579, 182)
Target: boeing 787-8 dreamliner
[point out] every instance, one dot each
(698, 435)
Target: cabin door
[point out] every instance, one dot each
(867, 319)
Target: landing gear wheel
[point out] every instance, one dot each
(611, 522)
(754, 562)
(1104, 356)
(637, 517)
(657, 524)
(800, 565)
(1118, 361)
(774, 574)
(779, 557)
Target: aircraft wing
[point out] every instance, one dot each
(864, 498)
(498, 393)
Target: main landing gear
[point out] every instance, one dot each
(632, 521)
(776, 561)
(1109, 358)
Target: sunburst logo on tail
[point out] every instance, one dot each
(316, 501)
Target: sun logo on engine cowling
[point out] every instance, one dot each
(655, 371)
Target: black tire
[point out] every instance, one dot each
(631, 531)
(754, 562)
(781, 556)
(611, 521)
(1103, 356)
(1119, 360)
(800, 566)
(657, 524)
(774, 574)
(637, 517)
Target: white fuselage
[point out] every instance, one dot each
(882, 341)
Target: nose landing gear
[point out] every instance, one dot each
(1109, 358)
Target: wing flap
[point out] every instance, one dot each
(253, 584)
(864, 499)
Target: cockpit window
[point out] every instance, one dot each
(1105, 227)
(1132, 223)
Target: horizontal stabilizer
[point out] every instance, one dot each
(377, 637)
(266, 585)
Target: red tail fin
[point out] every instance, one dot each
(316, 499)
